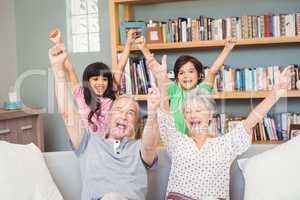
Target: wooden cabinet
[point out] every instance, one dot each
(22, 127)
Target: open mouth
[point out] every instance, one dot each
(195, 125)
(121, 126)
(187, 81)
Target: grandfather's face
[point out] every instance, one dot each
(197, 117)
(123, 118)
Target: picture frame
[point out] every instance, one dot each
(154, 34)
(125, 26)
(294, 130)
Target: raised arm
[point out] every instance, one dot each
(55, 37)
(118, 71)
(229, 44)
(57, 56)
(159, 70)
(150, 137)
(259, 111)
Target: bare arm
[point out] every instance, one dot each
(55, 37)
(118, 71)
(159, 70)
(229, 44)
(258, 113)
(71, 75)
(57, 56)
(150, 136)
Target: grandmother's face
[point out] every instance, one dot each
(197, 116)
(123, 118)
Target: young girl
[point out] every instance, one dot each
(189, 74)
(99, 86)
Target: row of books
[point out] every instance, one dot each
(137, 77)
(207, 28)
(276, 128)
(231, 78)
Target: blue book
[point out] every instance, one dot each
(278, 126)
(243, 80)
(237, 79)
(253, 78)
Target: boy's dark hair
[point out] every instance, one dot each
(96, 69)
(182, 60)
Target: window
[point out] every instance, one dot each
(83, 25)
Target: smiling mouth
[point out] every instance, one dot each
(187, 81)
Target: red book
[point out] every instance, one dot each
(298, 23)
(267, 25)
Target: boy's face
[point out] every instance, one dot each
(98, 84)
(187, 76)
(123, 118)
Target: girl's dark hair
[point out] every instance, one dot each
(185, 59)
(96, 69)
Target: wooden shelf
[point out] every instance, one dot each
(142, 1)
(251, 95)
(236, 95)
(161, 146)
(217, 43)
(268, 142)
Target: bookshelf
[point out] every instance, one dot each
(128, 14)
(218, 43)
(236, 95)
(268, 142)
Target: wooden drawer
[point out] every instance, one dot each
(26, 130)
(22, 127)
(8, 131)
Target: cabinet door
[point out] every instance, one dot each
(26, 130)
(8, 131)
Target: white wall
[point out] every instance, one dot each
(8, 57)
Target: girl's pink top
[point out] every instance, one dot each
(100, 123)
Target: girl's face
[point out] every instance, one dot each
(123, 118)
(98, 84)
(187, 76)
(197, 117)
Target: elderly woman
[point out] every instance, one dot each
(112, 167)
(201, 161)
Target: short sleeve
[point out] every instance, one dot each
(79, 97)
(83, 144)
(238, 140)
(153, 166)
(204, 86)
(167, 129)
(172, 88)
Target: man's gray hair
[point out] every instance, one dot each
(200, 95)
(130, 98)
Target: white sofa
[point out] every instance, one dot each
(64, 168)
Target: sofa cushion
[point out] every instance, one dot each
(24, 174)
(236, 176)
(273, 174)
(64, 168)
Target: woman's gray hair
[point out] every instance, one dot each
(200, 95)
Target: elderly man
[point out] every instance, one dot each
(112, 167)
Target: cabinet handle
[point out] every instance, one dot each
(23, 128)
(4, 131)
